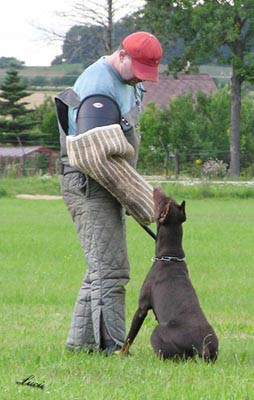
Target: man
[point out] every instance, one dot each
(99, 315)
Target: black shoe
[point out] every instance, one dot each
(110, 346)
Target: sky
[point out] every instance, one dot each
(19, 33)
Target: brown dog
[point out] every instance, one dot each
(183, 330)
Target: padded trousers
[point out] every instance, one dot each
(99, 220)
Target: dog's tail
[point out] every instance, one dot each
(210, 348)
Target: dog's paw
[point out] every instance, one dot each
(118, 353)
(121, 353)
(124, 351)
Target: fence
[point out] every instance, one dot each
(26, 161)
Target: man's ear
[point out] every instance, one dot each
(122, 54)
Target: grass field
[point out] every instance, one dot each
(199, 190)
(41, 271)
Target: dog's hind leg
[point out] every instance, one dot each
(163, 344)
(134, 329)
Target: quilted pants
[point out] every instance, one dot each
(100, 223)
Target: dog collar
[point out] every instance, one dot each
(168, 259)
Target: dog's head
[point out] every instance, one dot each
(166, 208)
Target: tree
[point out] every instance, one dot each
(155, 146)
(46, 132)
(170, 132)
(186, 129)
(207, 28)
(95, 25)
(83, 44)
(6, 62)
(194, 129)
(14, 116)
(247, 135)
(213, 123)
(104, 14)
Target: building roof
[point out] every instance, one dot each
(19, 152)
(167, 87)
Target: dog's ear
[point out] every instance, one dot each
(164, 213)
(160, 200)
(158, 195)
(182, 210)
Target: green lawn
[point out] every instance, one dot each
(41, 271)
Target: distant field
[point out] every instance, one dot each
(60, 70)
(216, 71)
(38, 95)
(37, 98)
(47, 72)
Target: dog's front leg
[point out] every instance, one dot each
(135, 327)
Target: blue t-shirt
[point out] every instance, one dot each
(102, 78)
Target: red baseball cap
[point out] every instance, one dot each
(145, 52)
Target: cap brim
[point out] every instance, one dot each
(145, 72)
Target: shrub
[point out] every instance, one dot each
(3, 192)
(214, 169)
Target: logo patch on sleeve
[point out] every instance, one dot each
(98, 105)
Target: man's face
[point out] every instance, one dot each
(126, 70)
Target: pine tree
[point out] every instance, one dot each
(14, 116)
